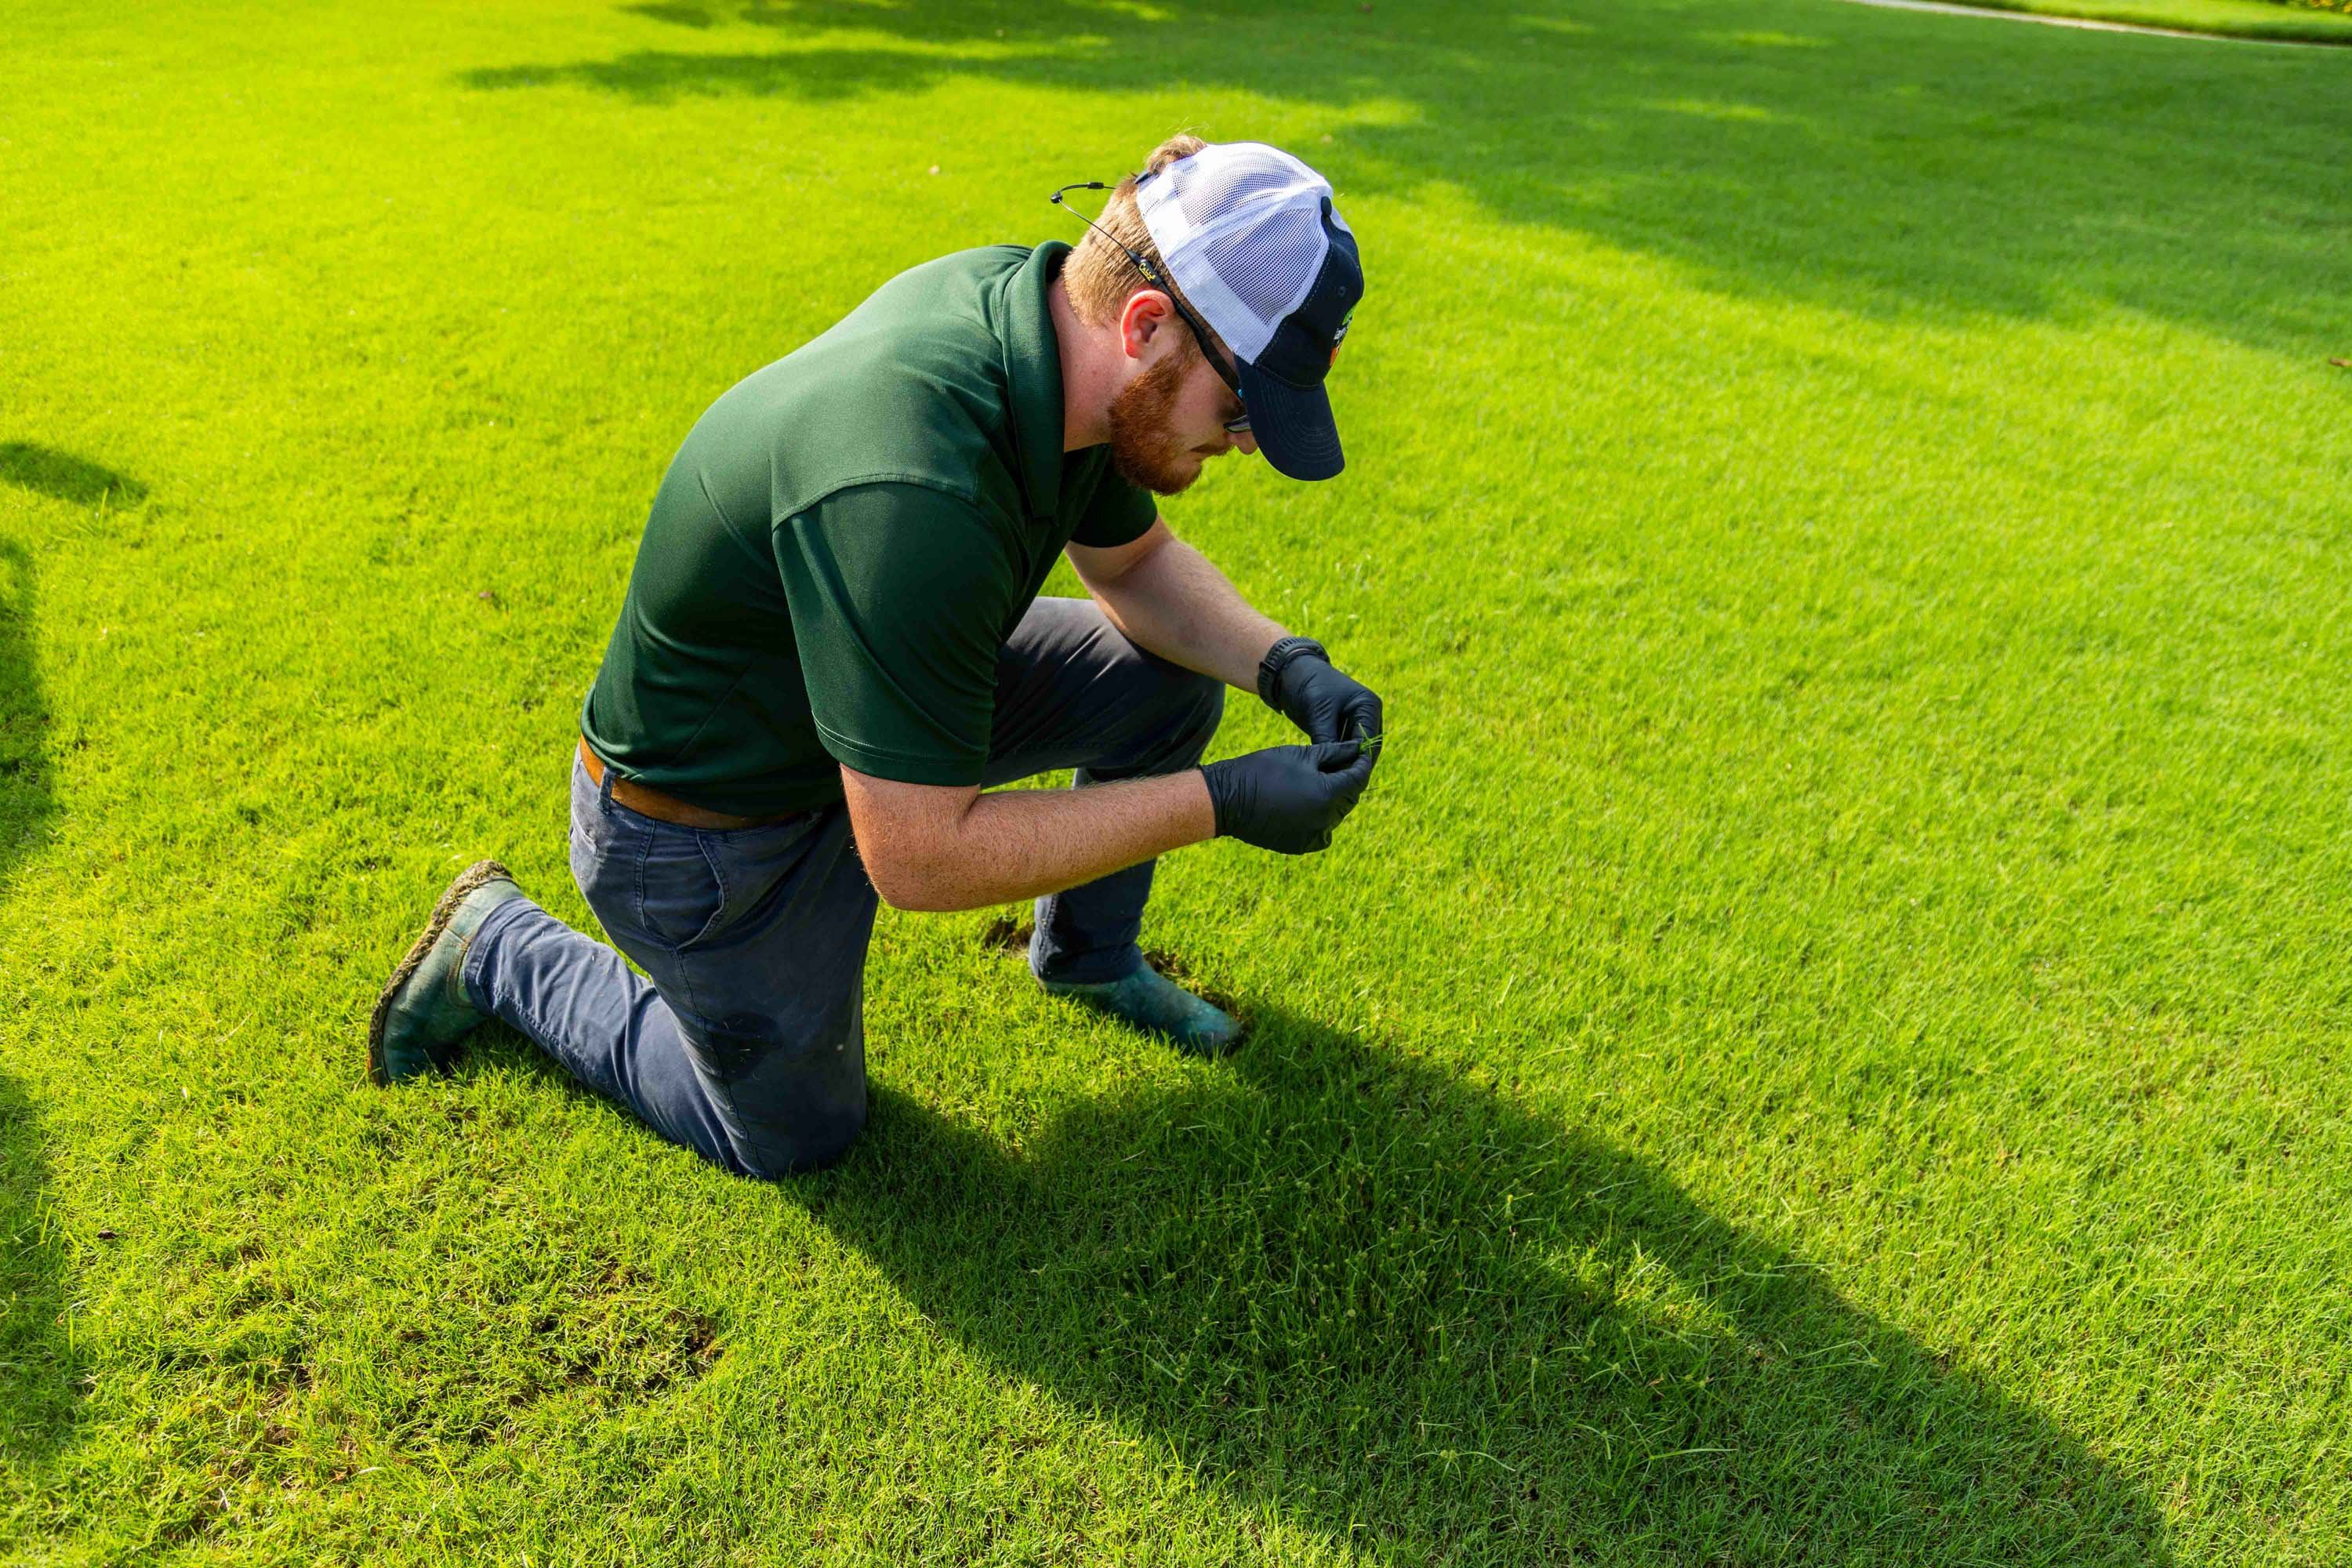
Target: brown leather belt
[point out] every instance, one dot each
(646, 802)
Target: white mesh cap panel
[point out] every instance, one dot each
(1257, 263)
(1206, 187)
(1239, 226)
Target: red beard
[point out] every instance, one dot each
(1141, 446)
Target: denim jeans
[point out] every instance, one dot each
(745, 1042)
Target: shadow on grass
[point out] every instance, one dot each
(38, 1400)
(1405, 1313)
(36, 1361)
(61, 475)
(1870, 163)
(1415, 1319)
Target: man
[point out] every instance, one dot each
(832, 646)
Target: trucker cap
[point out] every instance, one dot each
(1250, 234)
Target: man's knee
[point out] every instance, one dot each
(1170, 715)
(1195, 706)
(808, 1141)
(795, 1105)
(1207, 695)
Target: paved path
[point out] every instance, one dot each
(2085, 22)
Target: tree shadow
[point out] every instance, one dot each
(677, 14)
(49, 472)
(37, 1375)
(1405, 1313)
(38, 1368)
(27, 802)
(1882, 165)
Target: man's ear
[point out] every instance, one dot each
(1145, 315)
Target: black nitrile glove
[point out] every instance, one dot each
(1327, 705)
(1287, 798)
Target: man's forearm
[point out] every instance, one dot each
(1016, 844)
(1175, 603)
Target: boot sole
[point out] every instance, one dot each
(469, 879)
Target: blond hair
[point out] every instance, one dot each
(1099, 278)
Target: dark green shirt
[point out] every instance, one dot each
(846, 540)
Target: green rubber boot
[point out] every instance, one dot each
(425, 1010)
(1149, 1001)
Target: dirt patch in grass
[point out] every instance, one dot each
(621, 1338)
(1007, 933)
(606, 1332)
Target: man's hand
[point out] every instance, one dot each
(1288, 798)
(1325, 703)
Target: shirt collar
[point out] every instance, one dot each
(1033, 372)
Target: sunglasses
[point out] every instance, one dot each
(1231, 379)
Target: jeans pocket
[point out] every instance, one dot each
(681, 891)
(604, 868)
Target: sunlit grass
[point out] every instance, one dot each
(1822, 1044)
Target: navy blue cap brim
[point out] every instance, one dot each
(1293, 426)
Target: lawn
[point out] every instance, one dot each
(1825, 1043)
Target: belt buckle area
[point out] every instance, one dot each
(647, 801)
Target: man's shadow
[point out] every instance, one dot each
(1401, 1311)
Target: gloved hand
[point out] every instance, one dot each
(1287, 798)
(1327, 705)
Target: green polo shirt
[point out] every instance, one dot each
(844, 543)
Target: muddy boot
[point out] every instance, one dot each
(424, 1011)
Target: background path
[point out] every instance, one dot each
(2089, 23)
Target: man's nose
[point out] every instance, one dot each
(1246, 441)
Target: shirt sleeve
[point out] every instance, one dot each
(899, 594)
(1119, 513)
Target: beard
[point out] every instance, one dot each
(1142, 449)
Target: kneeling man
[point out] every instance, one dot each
(833, 647)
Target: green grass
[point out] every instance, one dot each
(1826, 1046)
(2270, 20)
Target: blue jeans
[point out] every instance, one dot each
(747, 1044)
